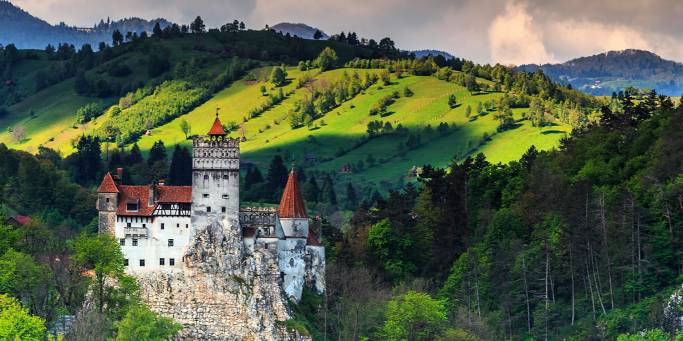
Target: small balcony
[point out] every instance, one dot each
(135, 232)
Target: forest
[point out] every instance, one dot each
(582, 242)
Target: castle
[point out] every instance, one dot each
(155, 224)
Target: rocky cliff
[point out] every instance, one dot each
(221, 292)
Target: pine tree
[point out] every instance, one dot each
(134, 157)
(329, 196)
(252, 178)
(351, 197)
(157, 153)
(311, 190)
(277, 174)
(197, 26)
(317, 35)
(180, 172)
(156, 31)
(88, 159)
(117, 38)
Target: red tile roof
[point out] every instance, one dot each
(172, 194)
(108, 185)
(140, 194)
(217, 128)
(292, 203)
(131, 194)
(22, 219)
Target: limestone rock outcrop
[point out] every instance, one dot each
(222, 292)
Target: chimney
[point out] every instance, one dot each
(152, 194)
(119, 174)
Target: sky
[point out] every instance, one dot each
(485, 31)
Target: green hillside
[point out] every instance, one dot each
(333, 141)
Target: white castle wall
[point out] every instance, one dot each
(156, 243)
(291, 259)
(295, 227)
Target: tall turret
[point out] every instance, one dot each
(107, 203)
(215, 176)
(292, 211)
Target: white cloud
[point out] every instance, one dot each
(514, 37)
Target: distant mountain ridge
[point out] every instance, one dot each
(25, 31)
(603, 73)
(300, 30)
(433, 53)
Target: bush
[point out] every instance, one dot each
(89, 112)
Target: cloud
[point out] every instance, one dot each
(514, 37)
(506, 31)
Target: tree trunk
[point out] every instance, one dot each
(547, 302)
(590, 287)
(571, 271)
(603, 227)
(526, 293)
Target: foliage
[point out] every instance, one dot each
(16, 323)
(102, 254)
(169, 100)
(278, 76)
(414, 316)
(327, 59)
(88, 112)
(140, 323)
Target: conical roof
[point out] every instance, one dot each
(108, 185)
(292, 204)
(217, 128)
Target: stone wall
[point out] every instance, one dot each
(222, 293)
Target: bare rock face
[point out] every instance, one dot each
(220, 292)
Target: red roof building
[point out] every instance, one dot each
(292, 204)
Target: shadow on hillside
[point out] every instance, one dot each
(552, 132)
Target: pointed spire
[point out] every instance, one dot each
(292, 204)
(108, 185)
(217, 128)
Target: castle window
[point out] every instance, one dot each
(223, 209)
(205, 195)
(144, 225)
(162, 226)
(142, 262)
(128, 225)
(265, 246)
(208, 208)
(135, 242)
(187, 225)
(107, 200)
(206, 177)
(161, 261)
(122, 241)
(171, 261)
(225, 176)
(170, 242)
(131, 206)
(225, 196)
(125, 262)
(177, 225)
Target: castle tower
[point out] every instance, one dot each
(215, 176)
(107, 203)
(292, 248)
(292, 211)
